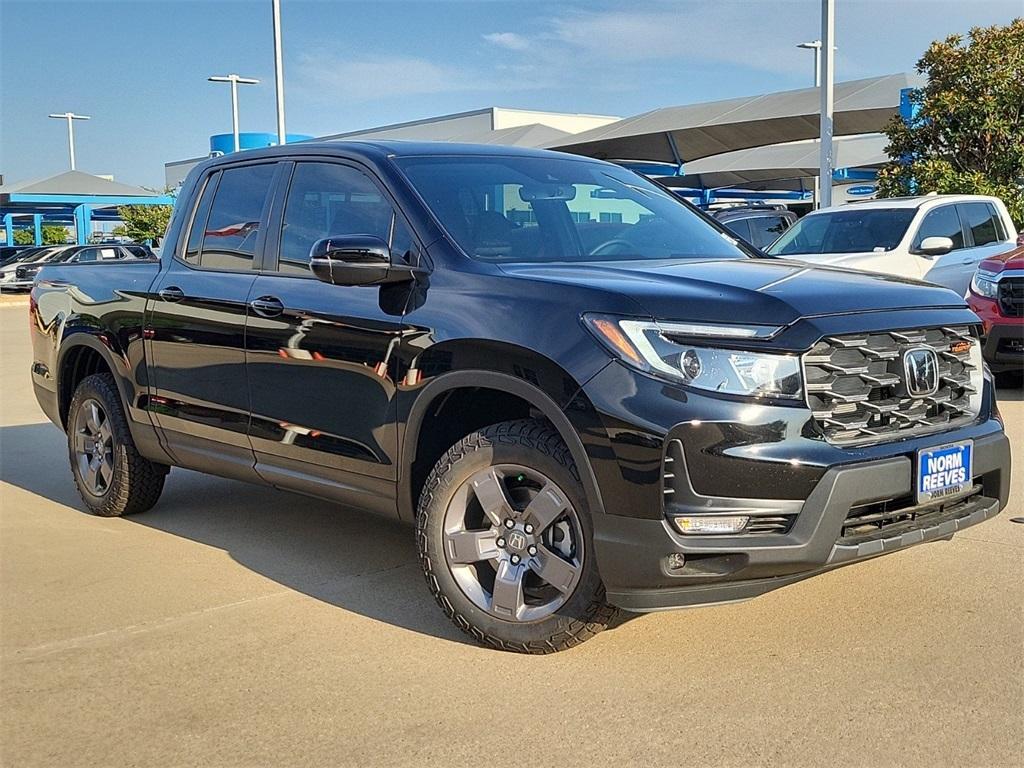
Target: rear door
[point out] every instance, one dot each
(322, 358)
(986, 236)
(196, 323)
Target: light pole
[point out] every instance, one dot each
(71, 117)
(828, 76)
(234, 80)
(279, 74)
(815, 45)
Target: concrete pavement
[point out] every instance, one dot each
(236, 626)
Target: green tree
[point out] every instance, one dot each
(53, 234)
(145, 222)
(968, 134)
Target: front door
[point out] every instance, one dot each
(322, 358)
(196, 325)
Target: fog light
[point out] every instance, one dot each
(675, 562)
(711, 524)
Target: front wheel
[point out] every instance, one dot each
(506, 540)
(112, 477)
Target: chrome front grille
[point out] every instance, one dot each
(857, 390)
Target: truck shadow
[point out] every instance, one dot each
(351, 559)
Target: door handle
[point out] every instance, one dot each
(267, 306)
(171, 293)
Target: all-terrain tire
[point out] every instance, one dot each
(528, 443)
(135, 482)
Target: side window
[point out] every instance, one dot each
(199, 218)
(982, 220)
(87, 254)
(107, 254)
(941, 222)
(328, 199)
(739, 227)
(229, 237)
(765, 230)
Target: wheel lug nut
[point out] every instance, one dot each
(528, 528)
(500, 543)
(510, 523)
(532, 550)
(515, 559)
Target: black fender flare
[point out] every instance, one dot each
(71, 343)
(500, 382)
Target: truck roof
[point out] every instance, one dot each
(394, 148)
(917, 201)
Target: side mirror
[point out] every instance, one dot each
(935, 246)
(355, 260)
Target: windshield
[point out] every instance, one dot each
(846, 230)
(539, 209)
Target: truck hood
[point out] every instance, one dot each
(763, 291)
(1012, 259)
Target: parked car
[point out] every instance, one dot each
(997, 296)
(8, 272)
(937, 238)
(10, 252)
(759, 225)
(25, 273)
(660, 419)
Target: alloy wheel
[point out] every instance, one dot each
(513, 542)
(94, 447)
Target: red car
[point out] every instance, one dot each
(997, 296)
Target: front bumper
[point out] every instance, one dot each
(1004, 347)
(633, 554)
(16, 286)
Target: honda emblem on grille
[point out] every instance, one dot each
(921, 366)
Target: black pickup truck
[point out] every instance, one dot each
(583, 393)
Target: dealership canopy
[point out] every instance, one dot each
(70, 197)
(766, 167)
(682, 134)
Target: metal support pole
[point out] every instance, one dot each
(828, 58)
(37, 228)
(282, 137)
(71, 140)
(234, 112)
(70, 117)
(234, 80)
(83, 220)
(9, 229)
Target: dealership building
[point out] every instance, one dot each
(758, 147)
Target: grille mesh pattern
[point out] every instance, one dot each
(857, 392)
(1011, 296)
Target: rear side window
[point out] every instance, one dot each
(227, 239)
(765, 230)
(941, 222)
(328, 200)
(983, 221)
(739, 227)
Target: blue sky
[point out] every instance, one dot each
(139, 68)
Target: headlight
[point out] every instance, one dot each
(983, 284)
(660, 349)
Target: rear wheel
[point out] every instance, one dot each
(506, 541)
(112, 478)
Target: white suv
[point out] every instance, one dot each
(938, 238)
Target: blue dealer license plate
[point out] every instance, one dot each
(944, 472)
